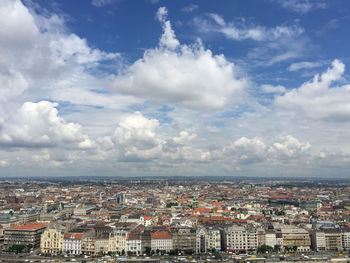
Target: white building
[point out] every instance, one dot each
(241, 238)
(72, 243)
(270, 238)
(346, 239)
(162, 241)
(213, 239)
(134, 243)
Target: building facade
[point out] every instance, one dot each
(52, 240)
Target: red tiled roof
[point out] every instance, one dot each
(31, 226)
(73, 236)
(161, 235)
(147, 217)
(203, 210)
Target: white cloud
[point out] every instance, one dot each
(289, 147)
(184, 136)
(136, 137)
(38, 125)
(318, 99)
(266, 88)
(191, 75)
(302, 6)
(304, 65)
(246, 151)
(38, 51)
(239, 30)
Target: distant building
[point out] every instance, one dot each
(133, 243)
(327, 240)
(184, 238)
(117, 240)
(161, 241)
(294, 237)
(345, 238)
(72, 243)
(121, 198)
(52, 239)
(239, 238)
(27, 235)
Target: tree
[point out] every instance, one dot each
(148, 251)
(264, 248)
(217, 255)
(276, 248)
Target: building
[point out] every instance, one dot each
(72, 243)
(239, 238)
(294, 237)
(345, 235)
(134, 243)
(117, 241)
(28, 235)
(201, 240)
(184, 238)
(52, 240)
(270, 238)
(146, 220)
(161, 241)
(102, 245)
(214, 239)
(327, 240)
(88, 245)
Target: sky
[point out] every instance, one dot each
(175, 88)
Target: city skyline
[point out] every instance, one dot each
(174, 88)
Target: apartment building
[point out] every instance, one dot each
(52, 239)
(295, 237)
(327, 240)
(117, 240)
(162, 241)
(27, 235)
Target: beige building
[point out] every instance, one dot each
(241, 238)
(117, 240)
(52, 239)
(88, 245)
(295, 237)
(327, 240)
(102, 245)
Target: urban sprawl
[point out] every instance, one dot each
(150, 219)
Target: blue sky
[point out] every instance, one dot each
(147, 87)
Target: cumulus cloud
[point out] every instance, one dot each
(136, 137)
(190, 75)
(318, 99)
(38, 52)
(248, 151)
(288, 147)
(38, 125)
